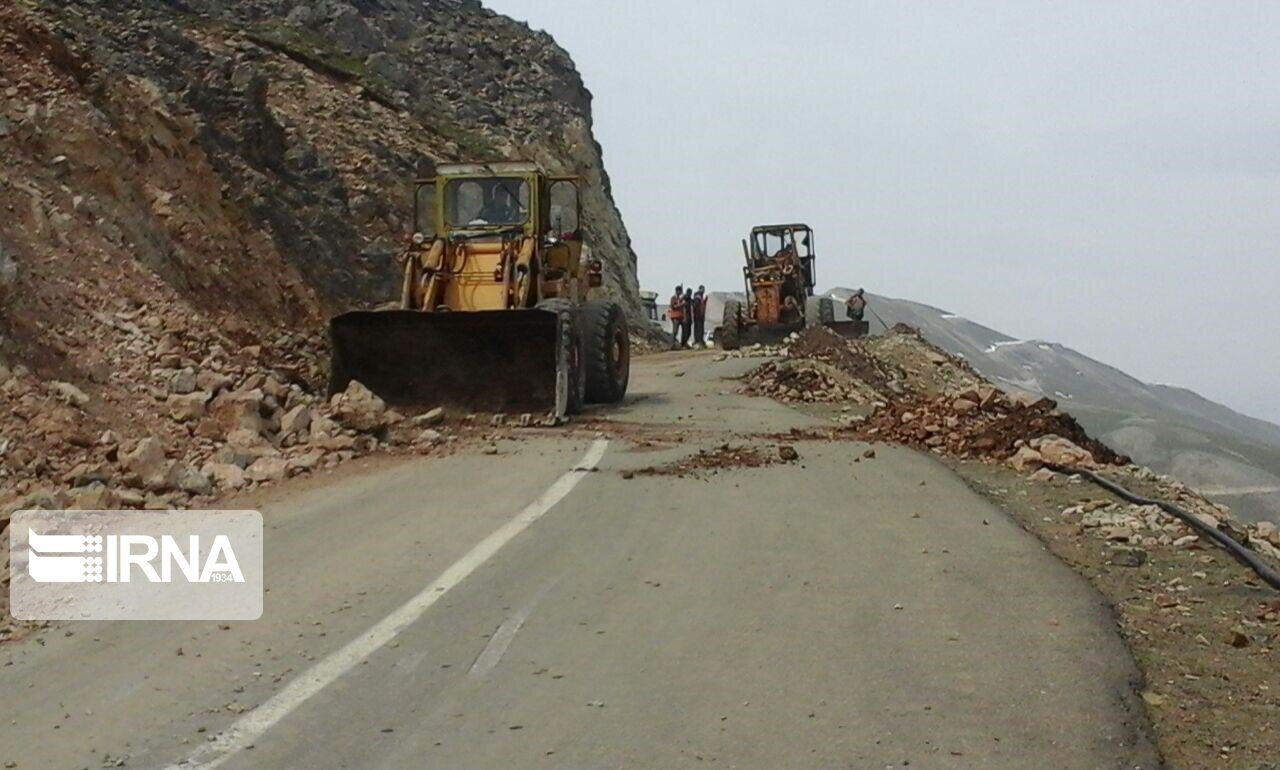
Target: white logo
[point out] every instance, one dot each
(136, 565)
(125, 552)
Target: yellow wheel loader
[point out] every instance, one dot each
(779, 278)
(494, 313)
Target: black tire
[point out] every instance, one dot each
(730, 333)
(569, 339)
(606, 345)
(826, 310)
(819, 311)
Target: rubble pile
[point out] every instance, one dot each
(795, 380)
(852, 357)
(984, 422)
(723, 457)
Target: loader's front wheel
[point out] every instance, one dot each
(606, 344)
(569, 355)
(731, 326)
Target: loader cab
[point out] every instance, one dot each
(475, 200)
(780, 243)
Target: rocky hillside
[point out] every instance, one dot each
(189, 188)
(312, 117)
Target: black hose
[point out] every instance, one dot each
(1240, 552)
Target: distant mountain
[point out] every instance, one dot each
(1231, 457)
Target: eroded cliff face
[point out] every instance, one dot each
(313, 117)
(189, 189)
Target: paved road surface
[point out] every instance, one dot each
(510, 611)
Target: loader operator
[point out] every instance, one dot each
(856, 305)
(500, 208)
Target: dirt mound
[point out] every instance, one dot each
(852, 357)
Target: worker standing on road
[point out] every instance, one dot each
(675, 313)
(700, 317)
(686, 326)
(856, 305)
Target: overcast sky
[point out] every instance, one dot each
(1105, 175)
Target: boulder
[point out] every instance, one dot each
(69, 393)
(305, 462)
(95, 497)
(1060, 451)
(233, 410)
(183, 382)
(1026, 459)
(183, 477)
(296, 420)
(213, 382)
(224, 475)
(187, 407)
(147, 461)
(359, 408)
(430, 437)
(267, 469)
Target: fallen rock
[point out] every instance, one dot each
(147, 461)
(267, 469)
(430, 417)
(430, 437)
(788, 453)
(183, 477)
(296, 420)
(233, 410)
(1026, 459)
(305, 462)
(1060, 451)
(95, 497)
(187, 407)
(359, 408)
(69, 393)
(224, 475)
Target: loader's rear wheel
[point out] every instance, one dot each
(569, 346)
(731, 326)
(606, 344)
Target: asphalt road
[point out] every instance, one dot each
(539, 609)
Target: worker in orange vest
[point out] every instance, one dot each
(675, 312)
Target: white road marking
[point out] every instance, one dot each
(502, 638)
(256, 723)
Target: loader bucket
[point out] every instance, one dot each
(768, 334)
(494, 361)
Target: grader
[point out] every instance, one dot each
(494, 311)
(779, 278)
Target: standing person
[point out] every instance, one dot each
(675, 313)
(686, 325)
(856, 305)
(700, 317)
